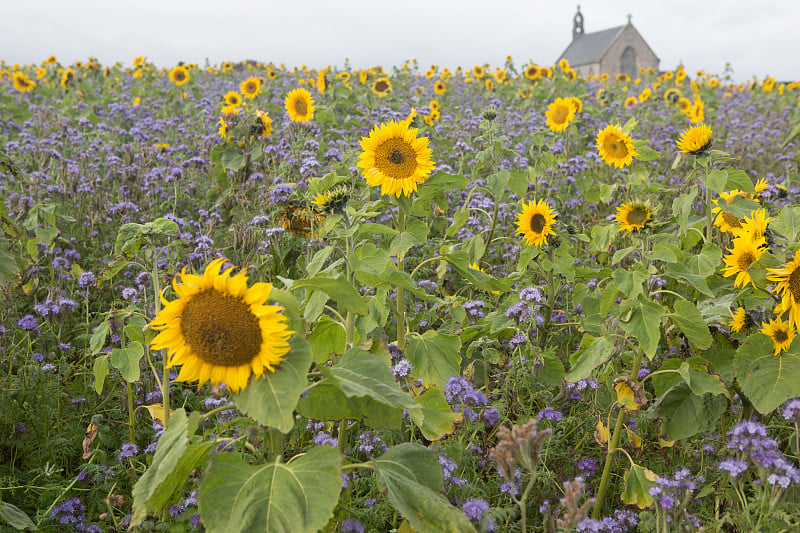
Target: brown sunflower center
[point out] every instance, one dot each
(780, 336)
(794, 284)
(300, 107)
(381, 86)
(220, 329)
(615, 147)
(637, 216)
(731, 220)
(745, 260)
(250, 87)
(180, 75)
(538, 222)
(560, 114)
(396, 158)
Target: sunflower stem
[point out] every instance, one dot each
(164, 358)
(400, 310)
(350, 321)
(551, 290)
(341, 440)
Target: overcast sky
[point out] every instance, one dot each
(757, 37)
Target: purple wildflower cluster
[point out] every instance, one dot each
(463, 398)
(476, 510)
(622, 522)
(71, 513)
(752, 446)
(371, 444)
(673, 498)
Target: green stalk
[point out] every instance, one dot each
(342, 437)
(551, 290)
(523, 501)
(130, 412)
(400, 310)
(350, 321)
(164, 356)
(613, 442)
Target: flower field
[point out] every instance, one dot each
(246, 297)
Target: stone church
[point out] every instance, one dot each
(620, 50)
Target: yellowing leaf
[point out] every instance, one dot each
(638, 481)
(634, 439)
(666, 443)
(157, 412)
(601, 433)
(630, 395)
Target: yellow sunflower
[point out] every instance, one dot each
(263, 125)
(633, 216)
(576, 103)
(68, 78)
(684, 104)
(727, 222)
(333, 200)
(439, 88)
(139, 61)
(624, 78)
(743, 254)
(535, 223)
(179, 75)
(630, 102)
(696, 140)
(478, 72)
(645, 94)
(219, 330)
(22, 83)
(739, 320)
(233, 99)
(560, 113)
(788, 286)
(250, 87)
(227, 66)
(300, 105)
(615, 147)
(532, 72)
(395, 158)
(434, 105)
(782, 334)
(754, 227)
(381, 87)
(671, 96)
(40, 73)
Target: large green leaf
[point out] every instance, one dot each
(413, 479)
(593, 352)
(326, 402)
(272, 398)
(638, 481)
(338, 289)
(644, 323)
(766, 380)
(8, 264)
(16, 517)
(172, 463)
(360, 373)
(327, 338)
(691, 323)
(126, 360)
(370, 259)
(787, 223)
(684, 413)
(439, 418)
(296, 497)
(436, 357)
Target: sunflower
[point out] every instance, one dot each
(439, 87)
(321, 83)
(633, 216)
(754, 227)
(696, 140)
(40, 73)
(615, 147)
(233, 99)
(782, 334)
(739, 320)
(50, 60)
(139, 61)
(672, 96)
(271, 74)
(381, 87)
(250, 87)
(334, 199)
(478, 72)
(697, 113)
(576, 103)
(179, 75)
(68, 78)
(545, 72)
(727, 222)
(220, 330)
(22, 83)
(560, 113)
(434, 105)
(536, 222)
(395, 158)
(645, 94)
(743, 254)
(227, 66)
(630, 102)
(300, 105)
(788, 286)
(684, 104)
(532, 72)
(262, 126)
(624, 78)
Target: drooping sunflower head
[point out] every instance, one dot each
(250, 87)
(696, 140)
(68, 79)
(743, 254)
(219, 330)
(262, 126)
(536, 222)
(782, 334)
(334, 199)
(381, 87)
(233, 99)
(179, 75)
(560, 113)
(22, 83)
(788, 287)
(671, 96)
(300, 105)
(633, 216)
(739, 320)
(615, 147)
(395, 158)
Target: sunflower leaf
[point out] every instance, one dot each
(338, 289)
(272, 398)
(691, 323)
(767, 380)
(439, 418)
(298, 496)
(435, 356)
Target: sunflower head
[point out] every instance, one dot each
(233, 99)
(262, 126)
(179, 75)
(22, 83)
(560, 113)
(740, 320)
(633, 216)
(381, 87)
(782, 334)
(300, 105)
(219, 330)
(395, 158)
(671, 96)
(439, 88)
(696, 140)
(532, 72)
(536, 222)
(630, 102)
(788, 287)
(615, 147)
(744, 253)
(334, 199)
(250, 87)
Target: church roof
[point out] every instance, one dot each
(590, 47)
